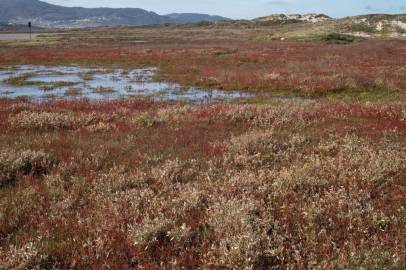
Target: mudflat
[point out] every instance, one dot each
(16, 36)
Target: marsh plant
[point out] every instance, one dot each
(135, 184)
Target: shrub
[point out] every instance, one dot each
(101, 127)
(262, 149)
(236, 244)
(22, 257)
(336, 38)
(25, 162)
(299, 114)
(176, 171)
(294, 185)
(32, 120)
(148, 120)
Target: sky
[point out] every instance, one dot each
(248, 9)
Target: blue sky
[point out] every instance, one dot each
(251, 8)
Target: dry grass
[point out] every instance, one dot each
(145, 185)
(13, 163)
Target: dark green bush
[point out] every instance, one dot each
(336, 38)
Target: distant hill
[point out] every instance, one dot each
(271, 20)
(47, 15)
(282, 26)
(373, 24)
(194, 17)
(5, 26)
(293, 18)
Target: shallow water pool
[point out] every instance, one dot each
(41, 83)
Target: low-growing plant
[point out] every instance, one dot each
(103, 90)
(151, 185)
(32, 120)
(337, 38)
(73, 92)
(87, 76)
(21, 80)
(55, 85)
(24, 162)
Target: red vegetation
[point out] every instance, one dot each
(312, 68)
(158, 185)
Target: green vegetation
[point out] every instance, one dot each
(87, 76)
(73, 92)
(55, 85)
(336, 38)
(103, 90)
(22, 80)
(374, 94)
